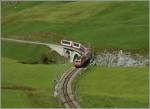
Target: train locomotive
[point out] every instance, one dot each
(78, 61)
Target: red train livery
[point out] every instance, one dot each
(78, 61)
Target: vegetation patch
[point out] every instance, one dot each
(122, 25)
(30, 54)
(26, 85)
(29, 71)
(113, 87)
(18, 88)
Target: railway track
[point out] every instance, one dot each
(63, 89)
(67, 98)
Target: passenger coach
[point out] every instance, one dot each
(78, 61)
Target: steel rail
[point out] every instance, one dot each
(68, 100)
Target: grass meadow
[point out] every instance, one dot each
(28, 71)
(122, 25)
(113, 87)
(29, 85)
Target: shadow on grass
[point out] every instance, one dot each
(38, 98)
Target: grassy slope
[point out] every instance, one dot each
(38, 77)
(103, 24)
(113, 87)
(20, 51)
(28, 52)
(12, 97)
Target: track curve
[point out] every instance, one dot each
(64, 88)
(68, 99)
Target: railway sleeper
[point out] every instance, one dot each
(64, 88)
(66, 95)
(67, 101)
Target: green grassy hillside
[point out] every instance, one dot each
(113, 87)
(30, 53)
(101, 24)
(26, 85)
(26, 82)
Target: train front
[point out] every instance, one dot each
(79, 61)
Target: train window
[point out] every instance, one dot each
(66, 42)
(77, 60)
(76, 44)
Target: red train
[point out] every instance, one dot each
(78, 61)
